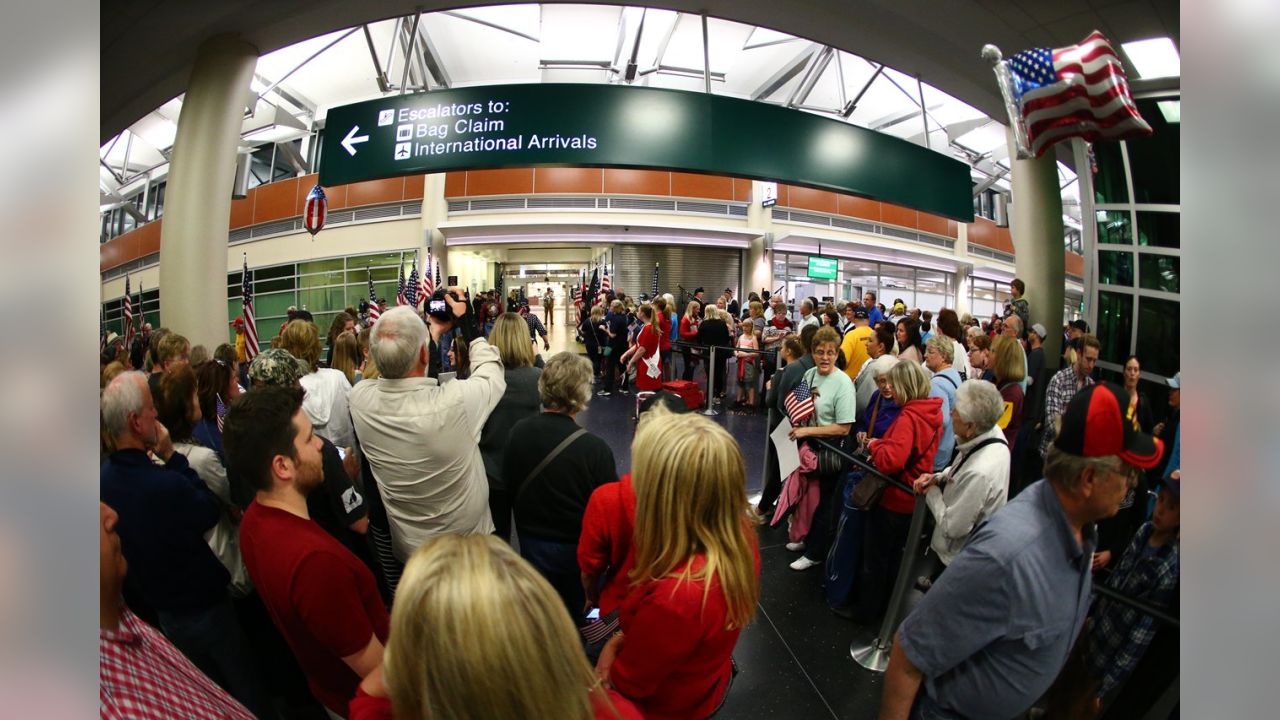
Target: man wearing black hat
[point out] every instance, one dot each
(733, 307)
(994, 631)
(698, 295)
(854, 345)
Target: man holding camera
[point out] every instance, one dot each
(422, 438)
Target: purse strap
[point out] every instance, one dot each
(974, 451)
(555, 453)
(871, 422)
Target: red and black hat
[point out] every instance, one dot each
(1102, 420)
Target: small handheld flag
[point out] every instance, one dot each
(799, 404)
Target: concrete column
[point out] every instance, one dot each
(193, 239)
(1036, 225)
(435, 210)
(757, 264)
(963, 285)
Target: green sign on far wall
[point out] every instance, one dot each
(622, 126)
(821, 268)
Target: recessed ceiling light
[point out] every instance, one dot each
(1154, 58)
(1172, 110)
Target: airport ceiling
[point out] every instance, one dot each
(814, 55)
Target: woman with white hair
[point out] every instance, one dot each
(976, 484)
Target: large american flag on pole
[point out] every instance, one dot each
(1076, 91)
(374, 311)
(400, 296)
(428, 285)
(411, 287)
(246, 301)
(128, 316)
(799, 404)
(605, 286)
(653, 291)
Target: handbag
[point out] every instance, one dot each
(866, 495)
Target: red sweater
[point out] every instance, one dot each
(604, 549)
(664, 321)
(367, 707)
(688, 329)
(914, 434)
(674, 662)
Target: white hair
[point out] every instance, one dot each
(979, 402)
(671, 300)
(396, 340)
(882, 365)
(123, 396)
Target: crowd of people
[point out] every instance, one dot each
(405, 514)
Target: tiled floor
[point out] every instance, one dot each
(794, 657)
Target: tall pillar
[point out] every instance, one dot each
(435, 210)
(757, 268)
(1036, 225)
(197, 209)
(963, 286)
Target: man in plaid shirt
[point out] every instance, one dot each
(536, 327)
(1064, 386)
(1148, 571)
(141, 674)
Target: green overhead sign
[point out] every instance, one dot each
(821, 268)
(500, 126)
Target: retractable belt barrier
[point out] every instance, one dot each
(711, 366)
(875, 655)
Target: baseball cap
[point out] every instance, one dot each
(1175, 382)
(860, 312)
(1038, 329)
(277, 366)
(1102, 420)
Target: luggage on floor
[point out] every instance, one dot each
(840, 572)
(687, 389)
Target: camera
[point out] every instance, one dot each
(438, 308)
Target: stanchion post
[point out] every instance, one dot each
(711, 382)
(875, 657)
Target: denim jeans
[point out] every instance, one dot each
(558, 563)
(212, 640)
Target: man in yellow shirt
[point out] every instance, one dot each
(854, 345)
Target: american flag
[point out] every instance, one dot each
(604, 284)
(315, 210)
(653, 292)
(428, 286)
(438, 283)
(501, 301)
(799, 404)
(1075, 91)
(374, 312)
(246, 301)
(220, 410)
(411, 287)
(400, 297)
(128, 315)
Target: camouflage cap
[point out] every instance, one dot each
(277, 366)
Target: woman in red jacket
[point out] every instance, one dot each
(478, 634)
(689, 333)
(696, 578)
(645, 354)
(905, 452)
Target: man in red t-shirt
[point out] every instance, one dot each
(322, 598)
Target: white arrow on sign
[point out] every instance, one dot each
(351, 140)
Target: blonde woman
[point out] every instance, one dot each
(696, 578)
(1009, 363)
(345, 355)
(748, 363)
(326, 400)
(689, 334)
(478, 634)
(520, 400)
(714, 331)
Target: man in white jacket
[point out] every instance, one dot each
(976, 485)
(422, 438)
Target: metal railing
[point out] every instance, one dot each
(710, 355)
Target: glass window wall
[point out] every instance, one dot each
(922, 288)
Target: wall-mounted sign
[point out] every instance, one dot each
(769, 194)
(821, 268)
(623, 126)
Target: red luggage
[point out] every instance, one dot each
(688, 390)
